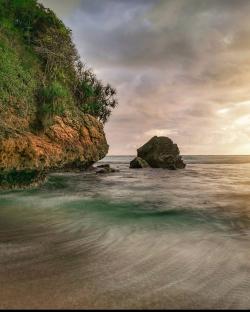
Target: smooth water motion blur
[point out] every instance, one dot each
(146, 238)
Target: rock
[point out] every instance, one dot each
(66, 144)
(138, 162)
(160, 152)
(179, 163)
(91, 168)
(21, 179)
(107, 166)
(105, 169)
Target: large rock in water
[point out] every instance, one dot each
(160, 152)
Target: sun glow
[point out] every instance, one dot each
(243, 120)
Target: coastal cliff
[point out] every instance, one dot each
(25, 157)
(66, 143)
(52, 108)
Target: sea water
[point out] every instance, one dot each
(137, 238)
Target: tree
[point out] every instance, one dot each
(93, 97)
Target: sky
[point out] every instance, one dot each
(181, 69)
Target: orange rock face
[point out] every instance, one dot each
(67, 143)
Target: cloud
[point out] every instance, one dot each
(180, 66)
(63, 8)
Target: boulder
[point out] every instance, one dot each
(105, 169)
(160, 152)
(138, 162)
(106, 166)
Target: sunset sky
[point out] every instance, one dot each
(181, 69)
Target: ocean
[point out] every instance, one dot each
(137, 238)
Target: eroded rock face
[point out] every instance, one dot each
(68, 143)
(160, 152)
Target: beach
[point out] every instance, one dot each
(137, 238)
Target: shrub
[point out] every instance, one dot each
(93, 97)
(53, 92)
(52, 99)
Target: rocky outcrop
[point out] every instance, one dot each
(138, 162)
(105, 168)
(43, 99)
(159, 152)
(67, 143)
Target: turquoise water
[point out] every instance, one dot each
(148, 238)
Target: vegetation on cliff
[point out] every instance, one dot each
(40, 70)
(52, 107)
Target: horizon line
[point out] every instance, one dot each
(186, 155)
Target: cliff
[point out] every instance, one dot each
(66, 143)
(52, 108)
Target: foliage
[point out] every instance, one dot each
(40, 37)
(94, 97)
(52, 98)
(58, 54)
(17, 83)
(54, 92)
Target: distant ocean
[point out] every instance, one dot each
(190, 159)
(137, 238)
